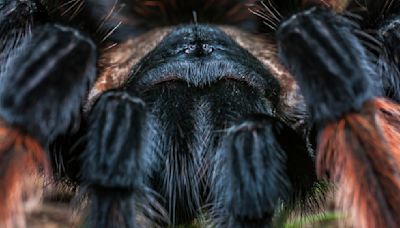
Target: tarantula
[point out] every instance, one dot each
(166, 109)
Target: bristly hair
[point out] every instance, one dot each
(274, 12)
(374, 12)
(118, 19)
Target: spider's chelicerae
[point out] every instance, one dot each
(167, 110)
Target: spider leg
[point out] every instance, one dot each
(49, 81)
(41, 95)
(358, 132)
(253, 174)
(113, 161)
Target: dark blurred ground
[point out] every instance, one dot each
(61, 208)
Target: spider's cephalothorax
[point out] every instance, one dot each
(166, 111)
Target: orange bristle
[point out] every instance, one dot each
(21, 160)
(361, 155)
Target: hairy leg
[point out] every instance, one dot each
(113, 161)
(357, 132)
(41, 95)
(255, 170)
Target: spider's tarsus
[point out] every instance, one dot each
(113, 161)
(250, 178)
(43, 90)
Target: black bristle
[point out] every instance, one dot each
(273, 13)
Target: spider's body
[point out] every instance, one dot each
(202, 93)
(177, 118)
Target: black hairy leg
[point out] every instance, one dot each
(250, 180)
(113, 161)
(256, 171)
(41, 95)
(49, 80)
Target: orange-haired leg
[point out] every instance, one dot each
(361, 156)
(22, 161)
(357, 132)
